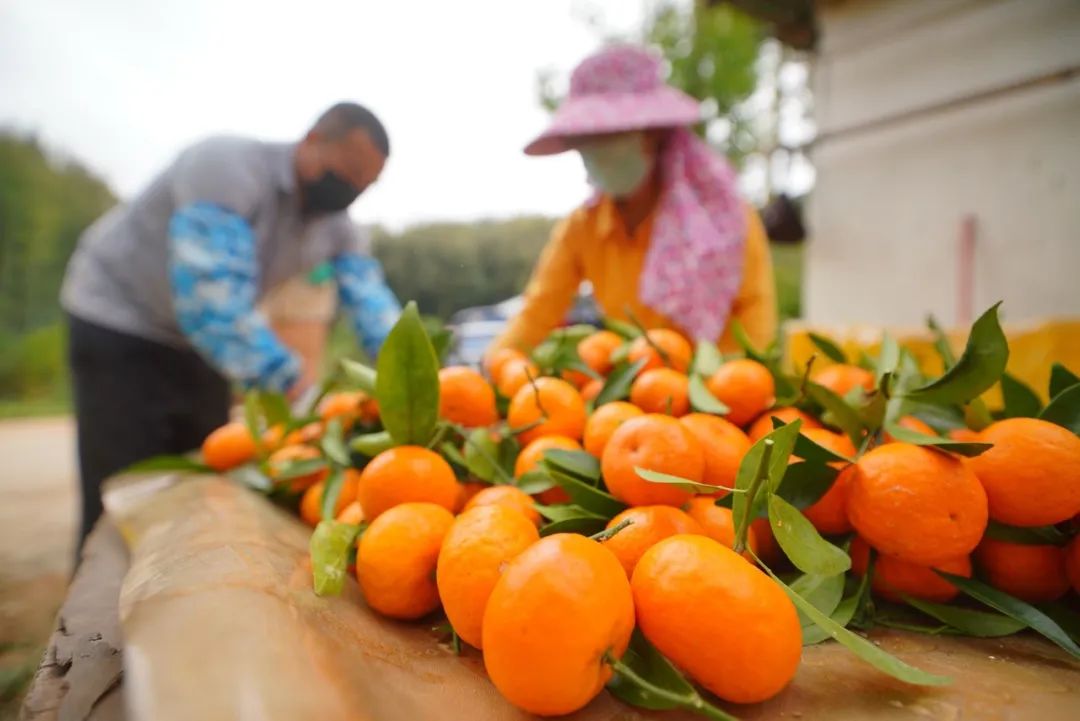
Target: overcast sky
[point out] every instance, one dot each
(123, 85)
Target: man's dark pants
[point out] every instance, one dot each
(134, 399)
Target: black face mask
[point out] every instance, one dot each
(328, 194)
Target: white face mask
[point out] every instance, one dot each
(617, 165)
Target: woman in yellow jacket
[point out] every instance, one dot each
(666, 235)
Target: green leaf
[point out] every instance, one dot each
(453, 454)
(1060, 379)
(535, 482)
(1035, 619)
(331, 491)
(618, 383)
(702, 399)
(683, 483)
(288, 470)
(621, 328)
(801, 542)
(969, 622)
(407, 381)
(1020, 400)
(1064, 615)
(824, 592)
(738, 332)
(182, 464)
(707, 359)
(584, 525)
(1064, 409)
(275, 408)
(249, 475)
(830, 349)
(644, 678)
(482, 457)
(362, 376)
(783, 440)
(333, 443)
(805, 483)
(941, 343)
(566, 512)
(372, 444)
(841, 616)
(979, 368)
(843, 416)
(587, 497)
(648, 663)
(330, 546)
(861, 647)
(888, 359)
(574, 463)
(963, 448)
(811, 451)
(253, 415)
(1037, 536)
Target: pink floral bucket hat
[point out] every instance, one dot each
(694, 266)
(618, 89)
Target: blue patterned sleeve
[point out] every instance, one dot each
(370, 303)
(212, 268)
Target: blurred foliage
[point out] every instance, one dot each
(788, 269)
(711, 52)
(445, 267)
(45, 204)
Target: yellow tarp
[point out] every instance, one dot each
(1033, 348)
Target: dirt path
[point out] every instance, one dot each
(37, 526)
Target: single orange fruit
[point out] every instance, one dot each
(228, 447)
(311, 502)
(1032, 474)
(466, 398)
(763, 426)
(1072, 563)
(718, 523)
(407, 474)
(497, 360)
(280, 459)
(352, 514)
(603, 422)
(533, 453)
(745, 386)
(841, 378)
(724, 444)
(717, 617)
(920, 505)
(479, 544)
(347, 406)
(575, 378)
(912, 424)
(829, 513)
(655, 443)
(1028, 572)
(648, 526)
(508, 496)
(515, 375)
(662, 390)
(595, 351)
(592, 389)
(396, 559)
(548, 407)
(678, 350)
(894, 577)
(557, 612)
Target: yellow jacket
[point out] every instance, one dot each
(592, 244)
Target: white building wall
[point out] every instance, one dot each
(900, 161)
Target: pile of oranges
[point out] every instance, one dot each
(553, 611)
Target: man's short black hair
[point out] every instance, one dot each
(336, 122)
